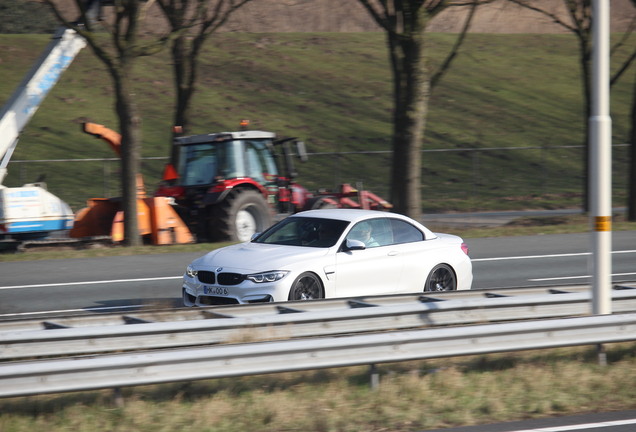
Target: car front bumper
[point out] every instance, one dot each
(198, 294)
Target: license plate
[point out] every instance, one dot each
(218, 291)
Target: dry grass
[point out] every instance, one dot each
(540, 225)
(411, 397)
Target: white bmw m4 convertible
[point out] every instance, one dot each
(330, 253)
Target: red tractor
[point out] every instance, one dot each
(228, 186)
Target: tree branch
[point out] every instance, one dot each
(460, 39)
(550, 15)
(380, 18)
(624, 68)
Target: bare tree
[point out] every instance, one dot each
(405, 23)
(631, 204)
(578, 20)
(118, 52)
(193, 21)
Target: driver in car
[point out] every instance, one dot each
(362, 232)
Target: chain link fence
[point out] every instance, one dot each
(467, 179)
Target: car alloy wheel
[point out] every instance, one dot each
(441, 278)
(307, 286)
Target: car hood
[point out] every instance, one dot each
(251, 257)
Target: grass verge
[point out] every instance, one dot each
(412, 396)
(505, 127)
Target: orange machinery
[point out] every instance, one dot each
(157, 220)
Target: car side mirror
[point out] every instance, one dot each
(352, 244)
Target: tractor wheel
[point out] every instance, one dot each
(242, 214)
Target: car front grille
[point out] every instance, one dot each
(206, 277)
(230, 278)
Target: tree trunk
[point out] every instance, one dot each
(180, 72)
(585, 59)
(185, 71)
(411, 97)
(181, 116)
(130, 129)
(631, 207)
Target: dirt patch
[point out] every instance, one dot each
(339, 16)
(539, 221)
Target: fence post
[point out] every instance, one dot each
(106, 173)
(375, 376)
(475, 174)
(544, 168)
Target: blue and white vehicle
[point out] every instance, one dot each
(330, 253)
(30, 211)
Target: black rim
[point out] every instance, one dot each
(306, 288)
(442, 279)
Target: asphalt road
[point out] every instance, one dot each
(543, 260)
(32, 288)
(623, 421)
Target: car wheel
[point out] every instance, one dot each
(307, 286)
(441, 278)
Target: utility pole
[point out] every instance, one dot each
(600, 188)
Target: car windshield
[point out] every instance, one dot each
(303, 231)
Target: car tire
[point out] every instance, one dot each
(441, 278)
(242, 214)
(307, 286)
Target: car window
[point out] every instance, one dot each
(372, 232)
(382, 231)
(284, 233)
(404, 232)
(303, 231)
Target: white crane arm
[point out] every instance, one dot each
(44, 74)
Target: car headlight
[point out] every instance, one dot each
(270, 276)
(191, 272)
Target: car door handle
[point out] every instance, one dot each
(393, 253)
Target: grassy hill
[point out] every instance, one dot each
(334, 91)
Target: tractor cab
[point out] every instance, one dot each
(206, 160)
(209, 171)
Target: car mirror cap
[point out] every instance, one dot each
(352, 244)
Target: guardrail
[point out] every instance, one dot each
(350, 317)
(130, 369)
(144, 315)
(275, 337)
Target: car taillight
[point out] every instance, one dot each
(465, 248)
